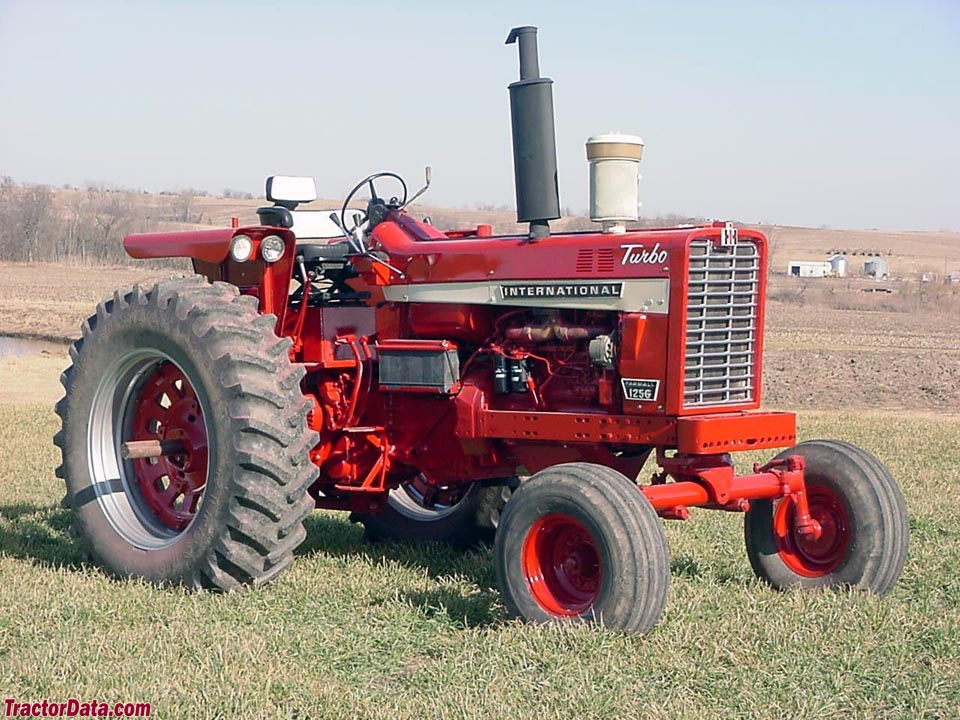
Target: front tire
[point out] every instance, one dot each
(581, 542)
(862, 515)
(196, 364)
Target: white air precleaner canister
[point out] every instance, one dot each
(614, 179)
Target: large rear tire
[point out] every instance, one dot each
(461, 517)
(195, 364)
(863, 519)
(581, 542)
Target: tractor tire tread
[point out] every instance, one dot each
(629, 529)
(267, 437)
(877, 556)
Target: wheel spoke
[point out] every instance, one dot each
(170, 375)
(168, 409)
(148, 473)
(167, 497)
(150, 415)
(191, 500)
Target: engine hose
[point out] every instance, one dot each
(551, 331)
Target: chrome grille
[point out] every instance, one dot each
(721, 324)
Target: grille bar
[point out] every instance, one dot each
(722, 300)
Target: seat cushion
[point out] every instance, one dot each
(324, 252)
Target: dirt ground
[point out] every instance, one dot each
(49, 301)
(829, 347)
(821, 357)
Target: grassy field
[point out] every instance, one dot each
(391, 631)
(358, 630)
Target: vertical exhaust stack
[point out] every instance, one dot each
(534, 138)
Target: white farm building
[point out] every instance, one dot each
(809, 269)
(877, 268)
(838, 265)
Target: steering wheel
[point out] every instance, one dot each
(369, 181)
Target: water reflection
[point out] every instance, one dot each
(10, 346)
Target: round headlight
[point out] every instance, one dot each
(271, 248)
(241, 248)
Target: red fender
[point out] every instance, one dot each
(208, 245)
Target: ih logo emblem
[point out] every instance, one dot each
(728, 235)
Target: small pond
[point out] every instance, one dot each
(10, 346)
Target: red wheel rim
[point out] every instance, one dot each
(167, 408)
(561, 563)
(807, 556)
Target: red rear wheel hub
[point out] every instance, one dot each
(805, 555)
(562, 565)
(167, 408)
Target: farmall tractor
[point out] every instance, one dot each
(438, 384)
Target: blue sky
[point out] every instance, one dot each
(842, 113)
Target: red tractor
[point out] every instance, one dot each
(438, 384)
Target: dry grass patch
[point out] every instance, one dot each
(50, 300)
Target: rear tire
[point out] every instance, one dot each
(863, 515)
(581, 542)
(197, 363)
(470, 520)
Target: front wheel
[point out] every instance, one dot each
(581, 542)
(862, 516)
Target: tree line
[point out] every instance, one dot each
(40, 224)
(87, 226)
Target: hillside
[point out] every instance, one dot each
(46, 224)
(907, 253)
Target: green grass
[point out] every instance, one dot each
(357, 630)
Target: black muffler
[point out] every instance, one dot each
(534, 138)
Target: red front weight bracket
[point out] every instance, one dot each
(790, 469)
(709, 481)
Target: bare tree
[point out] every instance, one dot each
(36, 219)
(183, 206)
(113, 216)
(231, 194)
(28, 223)
(8, 205)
